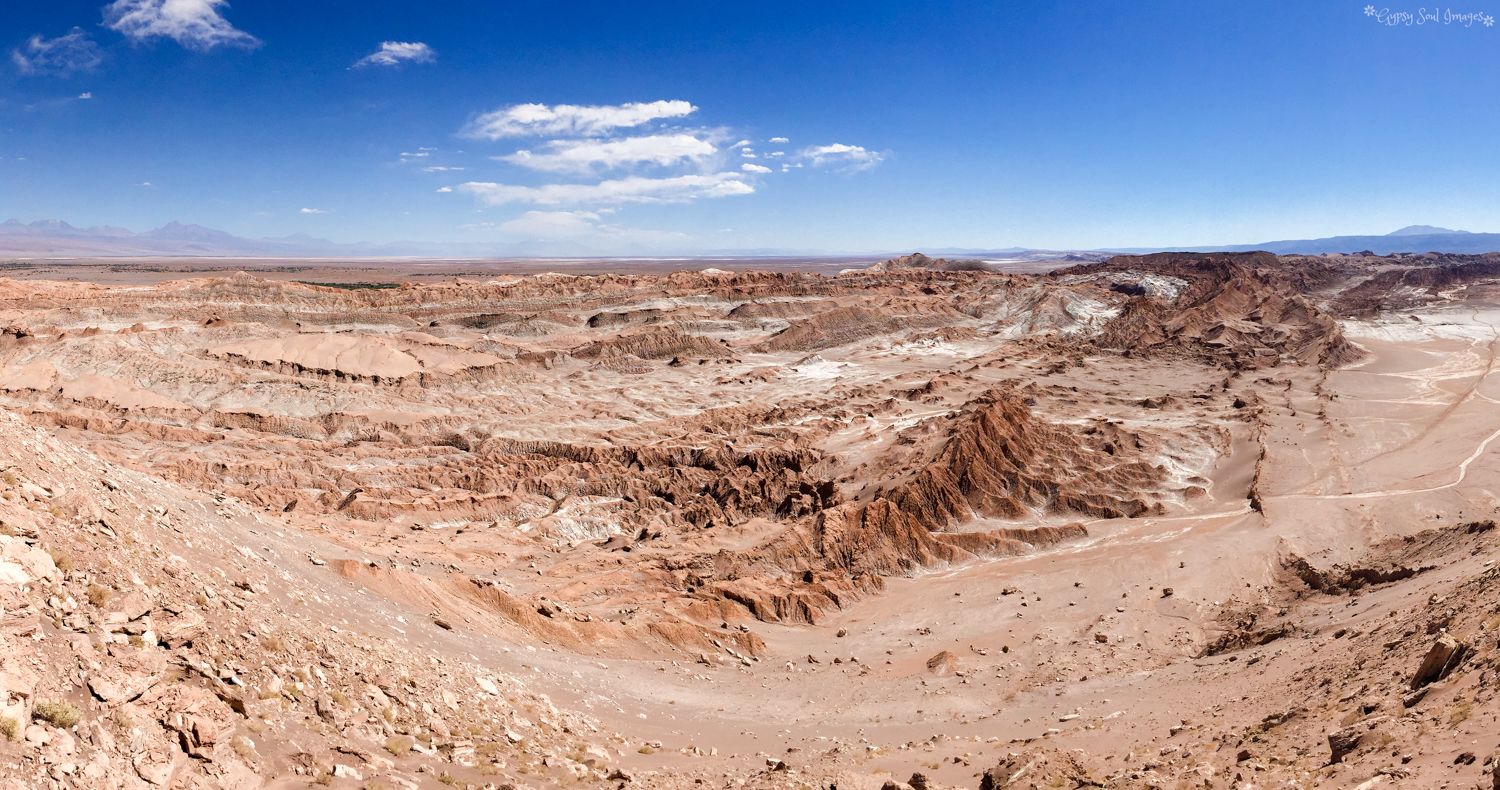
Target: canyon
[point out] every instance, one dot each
(1157, 521)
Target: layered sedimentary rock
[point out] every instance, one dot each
(681, 417)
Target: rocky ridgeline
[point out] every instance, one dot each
(1242, 310)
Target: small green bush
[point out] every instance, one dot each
(10, 728)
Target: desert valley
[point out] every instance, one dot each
(1169, 521)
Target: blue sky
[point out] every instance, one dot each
(906, 126)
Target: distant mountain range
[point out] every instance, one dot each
(56, 238)
(1412, 238)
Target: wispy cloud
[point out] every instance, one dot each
(846, 157)
(749, 168)
(313, 211)
(585, 155)
(394, 53)
(635, 189)
(195, 24)
(579, 226)
(68, 53)
(439, 169)
(527, 120)
(779, 140)
(445, 189)
(553, 223)
(86, 95)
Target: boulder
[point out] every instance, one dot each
(133, 605)
(17, 687)
(1445, 655)
(944, 663)
(181, 630)
(1345, 740)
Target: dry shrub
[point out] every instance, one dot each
(63, 562)
(99, 594)
(58, 714)
(399, 745)
(242, 746)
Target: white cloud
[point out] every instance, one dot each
(552, 223)
(74, 51)
(439, 169)
(313, 211)
(583, 155)
(144, 184)
(749, 168)
(740, 143)
(525, 120)
(445, 189)
(195, 24)
(392, 53)
(85, 95)
(633, 189)
(420, 152)
(847, 157)
(779, 140)
(576, 225)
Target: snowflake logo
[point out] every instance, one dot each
(1489, 21)
(1369, 10)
